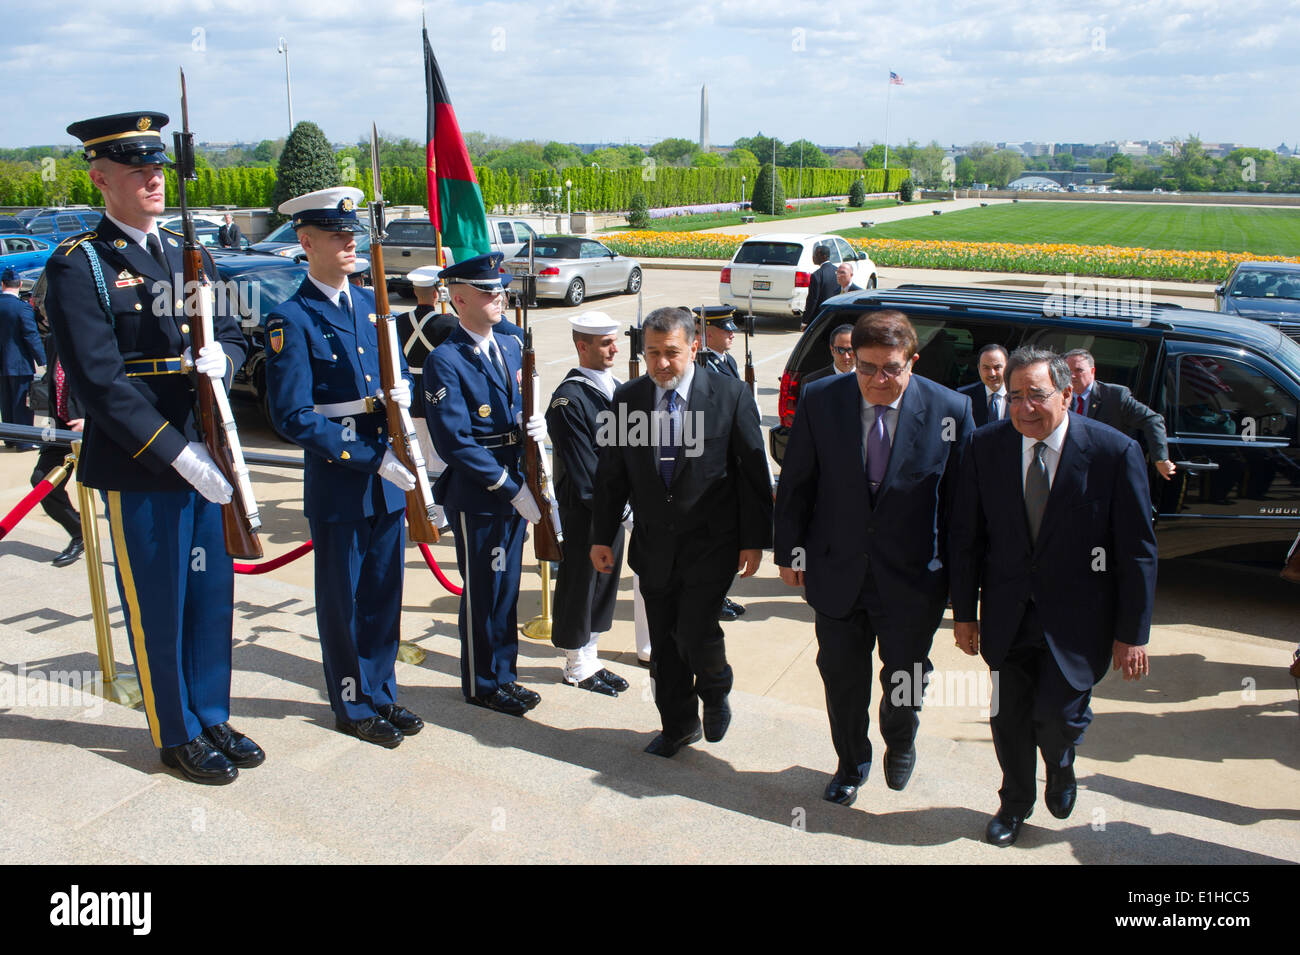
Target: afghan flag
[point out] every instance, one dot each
(455, 199)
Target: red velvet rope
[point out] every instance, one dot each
(437, 571)
(275, 562)
(10, 520)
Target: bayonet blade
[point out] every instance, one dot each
(374, 163)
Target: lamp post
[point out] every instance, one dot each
(568, 202)
(283, 47)
(742, 191)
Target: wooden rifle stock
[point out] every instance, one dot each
(548, 536)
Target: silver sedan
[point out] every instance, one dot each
(571, 268)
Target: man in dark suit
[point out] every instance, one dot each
(123, 345)
(844, 279)
(1115, 405)
(821, 285)
(1051, 535)
(988, 396)
(229, 235)
(861, 517)
(684, 448)
(323, 387)
(842, 359)
(20, 353)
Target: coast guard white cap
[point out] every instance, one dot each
(334, 210)
(425, 276)
(594, 323)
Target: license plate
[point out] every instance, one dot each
(520, 270)
(760, 286)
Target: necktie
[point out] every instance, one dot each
(345, 303)
(878, 448)
(668, 434)
(1078, 405)
(995, 407)
(60, 391)
(499, 365)
(154, 244)
(1037, 487)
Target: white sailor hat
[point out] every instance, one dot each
(424, 276)
(594, 323)
(334, 210)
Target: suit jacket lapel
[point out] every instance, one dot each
(697, 409)
(911, 422)
(1011, 460)
(1068, 483)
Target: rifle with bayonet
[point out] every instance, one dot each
(701, 356)
(239, 517)
(420, 520)
(750, 378)
(548, 536)
(636, 342)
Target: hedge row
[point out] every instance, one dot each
(596, 190)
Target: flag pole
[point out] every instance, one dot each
(888, 89)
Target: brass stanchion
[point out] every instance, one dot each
(410, 653)
(539, 628)
(119, 688)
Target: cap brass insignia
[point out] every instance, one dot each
(484, 411)
(119, 243)
(143, 123)
(346, 205)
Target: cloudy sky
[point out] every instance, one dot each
(631, 70)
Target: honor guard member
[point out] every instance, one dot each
(475, 415)
(323, 385)
(584, 599)
(115, 306)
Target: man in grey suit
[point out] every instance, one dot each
(1115, 405)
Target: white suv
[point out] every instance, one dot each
(776, 268)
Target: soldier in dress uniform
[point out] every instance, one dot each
(323, 385)
(115, 306)
(584, 599)
(475, 415)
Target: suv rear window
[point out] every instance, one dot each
(409, 232)
(768, 253)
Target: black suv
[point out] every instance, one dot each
(1228, 387)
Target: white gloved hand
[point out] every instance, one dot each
(401, 393)
(212, 360)
(197, 467)
(536, 428)
(526, 505)
(392, 471)
(626, 519)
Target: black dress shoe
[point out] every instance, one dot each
(841, 791)
(667, 748)
(643, 663)
(235, 746)
(1004, 828)
(716, 720)
(725, 613)
(402, 718)
(737, 609)
(595, 684)
(1061, 792)
(529, 698)
(199, 762)
(613, 679)
(898, 767)
(70, 553)
(501, 701)
(373, 729)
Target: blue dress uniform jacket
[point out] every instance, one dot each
(319, 354)
(315, 355)
(722, 364)
(174, 577)
(136, 424)
(20, 344)
(467, 405)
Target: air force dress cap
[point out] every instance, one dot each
(482, 271)
(594, 323)
(334, 210)
(425, 276)
(133, 139)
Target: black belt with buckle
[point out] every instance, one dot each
(503, 440)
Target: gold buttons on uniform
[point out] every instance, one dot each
(367, 377)
(335, 357)
(139, 307)
(345, 456)
(185, 329)
(484, 411)
(360, 350)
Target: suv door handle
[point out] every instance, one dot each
(1194, 466)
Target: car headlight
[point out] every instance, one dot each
(287, 252)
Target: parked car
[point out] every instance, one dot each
(19, 252)
(410, 244)
(1228, 387)
(295, 251)
(1265, 291)
(280, 237)
(774, 271)
(571, 268)
(56, 225)
(12, 225)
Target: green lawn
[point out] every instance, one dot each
(1204, 228)
(712, 220)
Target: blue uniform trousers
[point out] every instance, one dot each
(358, 610)
(13, 403)
(177, 586)
(489, 549)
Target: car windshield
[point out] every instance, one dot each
(768, 253)
(544, 249)
(260, 290)
(398, 231)
(282, 233)
(1288, 354)
(1261, 284)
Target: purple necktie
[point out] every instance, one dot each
(878, 448)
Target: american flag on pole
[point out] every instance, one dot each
(895, 79)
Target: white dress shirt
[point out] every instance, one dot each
(1002, 399)
(1052, 457)
(333, 294)
(134, 234)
